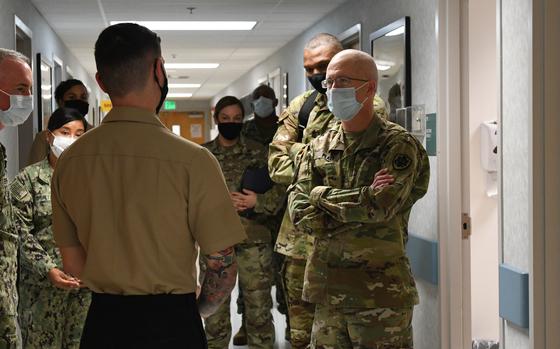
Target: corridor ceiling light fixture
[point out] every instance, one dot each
(191, 65)
(398, 31)
(384, 65)
(184, 85)
(179, 95)
(194, 25)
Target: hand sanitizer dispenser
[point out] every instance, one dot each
(413, 119)
(489, 146)
(489, 155)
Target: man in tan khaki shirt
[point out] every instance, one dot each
(130, 200)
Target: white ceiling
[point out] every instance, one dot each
(79, 22)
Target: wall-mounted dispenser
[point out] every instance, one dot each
(413, 119)
(489, 146)
(489, 155)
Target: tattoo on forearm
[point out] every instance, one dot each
(219, 280)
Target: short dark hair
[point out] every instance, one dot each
(64, 86)
(124, 54)
(263, 90)
(324, 39)
(62, 116)
(226, 102)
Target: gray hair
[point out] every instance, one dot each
(7, 53)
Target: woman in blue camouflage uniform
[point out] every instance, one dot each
(52, 306)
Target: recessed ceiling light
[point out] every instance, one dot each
(191, 65)
(398, 31)
(194, 25)
(179, 95)
(184, 85)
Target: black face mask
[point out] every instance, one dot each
(230, 130)
(316, 80)
(163, 89)
(81, 106)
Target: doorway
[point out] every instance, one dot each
(189, 125)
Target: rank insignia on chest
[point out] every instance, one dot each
(401, 162)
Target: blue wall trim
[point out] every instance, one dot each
(424, 258)
(514, 295)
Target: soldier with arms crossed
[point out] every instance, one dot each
(306, 117)
(354, 190)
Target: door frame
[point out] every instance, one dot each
(544, 185)
(453, 184)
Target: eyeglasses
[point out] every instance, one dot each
(340, 82)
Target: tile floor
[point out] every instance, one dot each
(279, 322)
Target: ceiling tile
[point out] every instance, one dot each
(79, 22)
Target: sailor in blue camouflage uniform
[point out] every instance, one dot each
(16, 104)
(52, 307)
(354, 190)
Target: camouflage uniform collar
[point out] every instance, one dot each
(45, 171)
(368, 139)
(239, 147)
(321, 101)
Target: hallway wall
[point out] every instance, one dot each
(46, 42)
(374, 14)
(516, 110)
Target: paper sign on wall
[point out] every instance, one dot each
(196, 131)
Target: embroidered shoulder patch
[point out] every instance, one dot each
(401, 162)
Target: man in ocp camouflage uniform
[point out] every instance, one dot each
(355, 187)
(236, 154)
(289, 139)
(16, 103)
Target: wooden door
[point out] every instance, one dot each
(189, 125)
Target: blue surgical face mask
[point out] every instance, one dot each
(342, 102)
(263, 107)
(19, 110)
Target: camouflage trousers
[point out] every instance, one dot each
(255, 279)
(277, 262)
(300, 313)
(9, 332)
(360, 328)
(52, 318)
(273, 224)
(9, 338)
